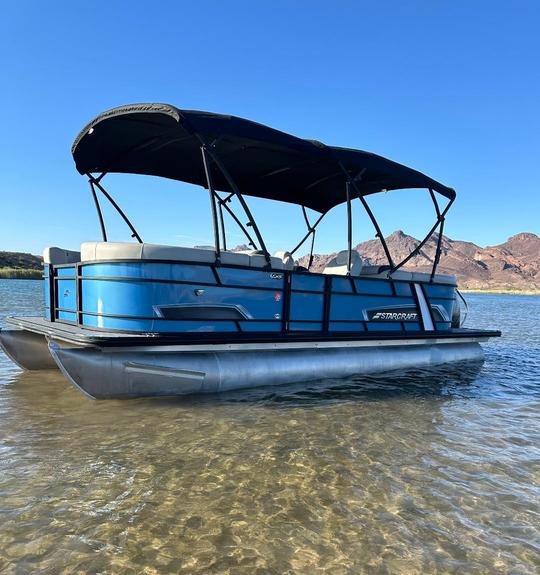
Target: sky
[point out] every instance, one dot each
(451, 88)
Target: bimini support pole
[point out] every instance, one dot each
(437, 251)
(439, 239)
(311, 232)
(245, 207)
(349, 226)
(95, 182)
(212, 193)
(98, 208)
(222, 226)
(440, 220)
(378, 231)
(223, 204)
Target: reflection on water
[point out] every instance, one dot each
(426, 472)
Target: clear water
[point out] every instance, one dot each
(419, 473)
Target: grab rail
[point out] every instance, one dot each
(466, 305)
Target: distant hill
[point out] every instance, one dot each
(20, 265)
(512, 265)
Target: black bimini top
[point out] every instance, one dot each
(162, 140)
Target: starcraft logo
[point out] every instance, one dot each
(392, 313)
(394, 316)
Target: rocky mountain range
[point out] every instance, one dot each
(513, 265)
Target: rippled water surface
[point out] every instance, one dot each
(418, 473)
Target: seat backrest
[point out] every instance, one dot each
(286, 258)
(338, 264)
(404, 275)
(59, 256)
(94, 251)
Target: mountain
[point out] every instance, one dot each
(513, 265)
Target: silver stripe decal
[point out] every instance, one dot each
(147, 369)
(424, 309)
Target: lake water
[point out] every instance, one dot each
(419, 473)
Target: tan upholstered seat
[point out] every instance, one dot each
(286, 258)
(338, 264)
(59, 256)
(95, 251)
(382, 271)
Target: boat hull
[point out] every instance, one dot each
(128, 373)
(27, 349)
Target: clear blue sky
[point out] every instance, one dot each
(450, 88)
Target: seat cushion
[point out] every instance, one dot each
(437, 278)
(286, 259)
(382, 271)
(59, 256)
(235, 259)
(257, 259)
(92, 251)
(338, 264)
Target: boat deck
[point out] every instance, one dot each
(80, 335)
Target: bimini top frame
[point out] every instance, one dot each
(243, 158)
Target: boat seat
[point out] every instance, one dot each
(338, 264)
(286, 258)
(59, 256)
(95, 251)
(382, 272)
(437, 278)
(281, 260)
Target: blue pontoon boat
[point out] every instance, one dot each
(137, 319)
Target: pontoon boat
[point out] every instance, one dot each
(137, 319)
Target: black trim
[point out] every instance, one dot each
(78, 295)
(135, 339)
(211, 320)
(166, 319)
(216, 276)
(286, 308)
(327, 303)
(295, 272)
(52, 293)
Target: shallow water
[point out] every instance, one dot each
(427, 472)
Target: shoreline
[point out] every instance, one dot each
(20, 274)
(508, 291)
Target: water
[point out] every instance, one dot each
(419, 473)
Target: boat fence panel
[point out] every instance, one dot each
(178, 297)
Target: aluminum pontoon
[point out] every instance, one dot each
(136, 319)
